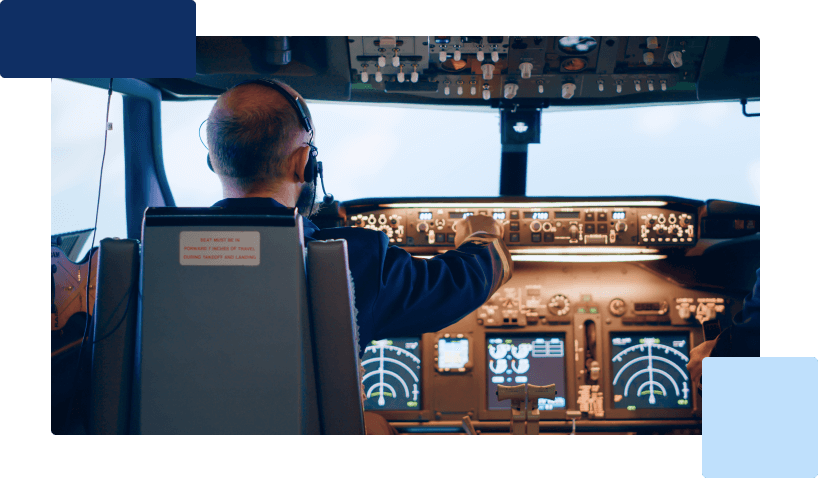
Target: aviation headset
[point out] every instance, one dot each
(314, 168)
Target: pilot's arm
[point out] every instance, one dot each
(426, 295)
(485, 230)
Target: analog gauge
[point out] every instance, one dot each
(453, 66)
(617, 307)
(576, 45)
(386, 230)
(574, 64)
(559, 305)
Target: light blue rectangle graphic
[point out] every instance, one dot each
(742, 435)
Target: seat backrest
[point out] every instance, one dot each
(335, 336)
(112, 338)
(223, 340)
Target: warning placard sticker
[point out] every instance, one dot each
(219, 248)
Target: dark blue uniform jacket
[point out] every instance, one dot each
(397, 295)
(743, 337)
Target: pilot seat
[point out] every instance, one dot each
(241, 329)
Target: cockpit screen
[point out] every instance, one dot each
(453, 353)
(498, 215)
(425, 216)
(392, 374)
(459, 215)
(534, 359)
(649, 370)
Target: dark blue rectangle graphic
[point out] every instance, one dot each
(97, 39)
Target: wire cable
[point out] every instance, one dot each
(90, 257)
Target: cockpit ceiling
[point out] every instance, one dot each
(482, 71)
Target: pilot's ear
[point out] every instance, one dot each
(298, 163)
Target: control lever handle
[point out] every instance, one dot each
(467, 426)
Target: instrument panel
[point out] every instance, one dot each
(613, 337)
(536, 223)
(611, 333)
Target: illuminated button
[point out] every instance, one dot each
(589, 217)
(450, 238)
(602, 228)
(535, 226)
(548, 237)
(603, 216)
(515, 214)
(536, 237)
(514, 226)
(581, 310)
(589, 228)
(594, 310)
(514, 237)
(482, 213)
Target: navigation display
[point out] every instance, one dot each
(392, 374)
(533, 359)
(649, 370)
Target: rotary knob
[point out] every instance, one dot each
(559, 305)
(674, 230)
(621, 226)
(423, 227)
(617, 307)
(535, 226)
(574, 232)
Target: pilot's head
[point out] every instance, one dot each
(258, 146)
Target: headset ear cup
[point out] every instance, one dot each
(209, 165)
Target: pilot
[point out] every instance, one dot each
(741, 339)
(260, 150)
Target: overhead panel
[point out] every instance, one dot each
(525, 69)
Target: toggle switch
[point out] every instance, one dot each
(568, 90)
(379, 75)
(401, 77)
(495, 56)
(442, 56)
(525, 69)
(456, 55)
(446, 90)
(480, 55)
(647, 57)
(540, 87)
(663, 84)
(382, 61)
(637, 85)
(396, 60)
(675, 59)
(415, 75)
(650, 85)
(486, 92)
(510, 91)
(488, 71)
(653, 43)
(459, 88)
(600, 84)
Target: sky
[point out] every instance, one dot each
(702, 151)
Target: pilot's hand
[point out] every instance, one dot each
(475, 224)
(699, 353)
